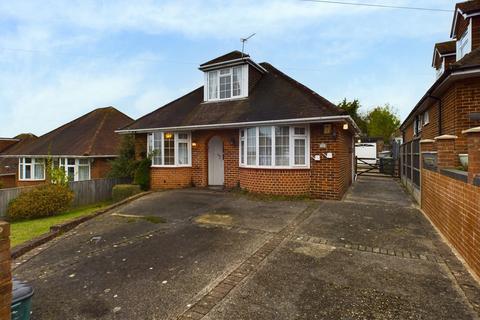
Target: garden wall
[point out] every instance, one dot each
(5, 271)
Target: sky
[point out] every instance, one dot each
(62, 59)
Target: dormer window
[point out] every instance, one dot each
(227, 83)
(464, 44)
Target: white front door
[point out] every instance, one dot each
(215, 161)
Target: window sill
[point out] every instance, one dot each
(224, 100)
(171, 166)
(455, 174)
(275, 168)
(31, 180)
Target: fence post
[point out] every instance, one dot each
(473, 143)
(447, 158)
(5, 271)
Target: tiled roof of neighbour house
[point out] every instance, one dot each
(92, 134)
(275, 96)
(226, 57)
(469, 61)
(446, 47)
(8, 166)
(468, 6)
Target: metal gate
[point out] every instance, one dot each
(380, 167)
(410, 166)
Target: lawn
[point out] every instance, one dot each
(25, 230)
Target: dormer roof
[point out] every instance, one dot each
(465, 10)
(230, 59)
(443, 49)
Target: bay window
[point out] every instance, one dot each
(170, 149)
(274, 146)
(226, 83)
(31, 169)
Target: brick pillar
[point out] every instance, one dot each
(473, 143)
(427, 145)
(447, 158)
(5, 271)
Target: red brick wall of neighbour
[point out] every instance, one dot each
(454, 207)
(8, 181)
(100, 168)
(5, 271)
(273, 181)
(170, 178)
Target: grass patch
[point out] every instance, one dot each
(21, 231)
(222, 218)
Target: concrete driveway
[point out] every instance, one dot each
(191, 254)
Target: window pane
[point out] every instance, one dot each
(299, 151)
(83, 161)
(299, 131)
(182, 153)
(169, 149)
(213, 85)
(242, 151)
(71, 161)
(28, 160)
(71, 173)
(251, 146)
(183, 136)
(282, 143)
(22, 175)
(265, 146)
(237, 81)
(28, 171)
(225, 87)
(39, 169)
(83, 173)
(157, 148)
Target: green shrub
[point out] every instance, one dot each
(43, 201)
(123, 191)
(142, 174)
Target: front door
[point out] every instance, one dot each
(215, 161)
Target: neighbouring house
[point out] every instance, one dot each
(249, 126)
(441, 151)
(82, 147)
(452, 103)
(9, 166)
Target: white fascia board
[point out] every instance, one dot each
(342, 118)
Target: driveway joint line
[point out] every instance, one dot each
(248, 267)
(398, 253)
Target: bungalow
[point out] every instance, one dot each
(83, 147)
(452, 103)
(249, 126)
(9, 166)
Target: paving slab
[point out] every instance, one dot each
(314, 281)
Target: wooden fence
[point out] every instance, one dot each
(86, 192)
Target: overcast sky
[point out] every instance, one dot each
(61, 59)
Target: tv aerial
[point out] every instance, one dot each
(245, 40)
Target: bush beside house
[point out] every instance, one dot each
(123, 191)
(44, 201)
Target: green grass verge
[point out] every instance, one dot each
(21, 231)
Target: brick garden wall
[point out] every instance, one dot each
(170, 178)
(5, 271)
(454, 208)
(290, 182)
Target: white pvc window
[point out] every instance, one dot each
(75, 169)
(274, 146)
(170, 149)
(426, 118)
(31, 169)
(226, 83)
(464, 44)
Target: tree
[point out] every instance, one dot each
(352, 109)
(125, 164)
(382, 121)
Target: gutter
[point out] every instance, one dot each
(342, 118)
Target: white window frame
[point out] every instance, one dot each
(63, 163)
(243, 84)
(21, 169)
(464, 44)
(150, 149)
(426, 118)
(291, 148)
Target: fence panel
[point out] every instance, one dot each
(86, 192)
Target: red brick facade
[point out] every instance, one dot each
(5, 271)
(326, 179)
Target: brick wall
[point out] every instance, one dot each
(100, 167)
(170, 178)
(5, 271)
(476, 32)
(274, 181)
(8, 181)
(454, 207)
